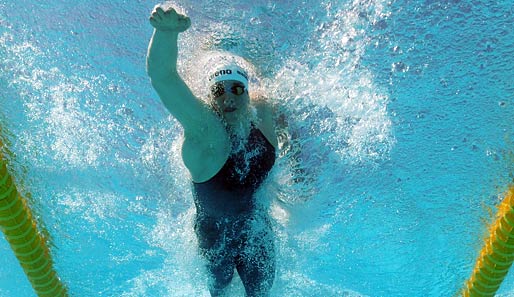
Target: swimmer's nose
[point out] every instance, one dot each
(228, 100)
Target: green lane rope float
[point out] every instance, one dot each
(19, 228)
(497, 255)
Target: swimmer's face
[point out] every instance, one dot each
(230, 97)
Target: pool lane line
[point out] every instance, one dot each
(19, 228)
(497, 255)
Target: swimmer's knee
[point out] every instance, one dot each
(258, 290)
(257, 277)
(221, 281)
(220, 278)
(215, 292)
(218, 286)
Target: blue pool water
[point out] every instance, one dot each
(401, 113)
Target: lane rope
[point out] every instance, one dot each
(497, 255)
(19, 228)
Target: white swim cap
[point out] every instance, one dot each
(229, 72)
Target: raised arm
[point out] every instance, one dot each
(162, 69)
(206, 142)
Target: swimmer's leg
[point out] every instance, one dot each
(256, 264)
(220, 272)
(213, 248)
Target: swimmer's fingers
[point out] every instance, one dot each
(170, 11)
(169, 20)
(156, 17)
(185, 23)
(158, 14)
(159, 10)
(154, 22)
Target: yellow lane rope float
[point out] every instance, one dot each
(19, 228)
(497, 255)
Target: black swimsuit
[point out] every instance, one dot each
(231, 191)
(232, 232)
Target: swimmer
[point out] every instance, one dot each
(229, 148)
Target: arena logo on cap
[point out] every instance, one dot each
(220, 72)
(227, 72)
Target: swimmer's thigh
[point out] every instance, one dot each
(220, 261)
(256, 263)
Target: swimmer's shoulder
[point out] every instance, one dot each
(265, 113)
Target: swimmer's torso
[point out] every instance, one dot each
(231, 191)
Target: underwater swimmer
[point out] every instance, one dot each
(229, 148)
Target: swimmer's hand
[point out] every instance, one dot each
(169, 20)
